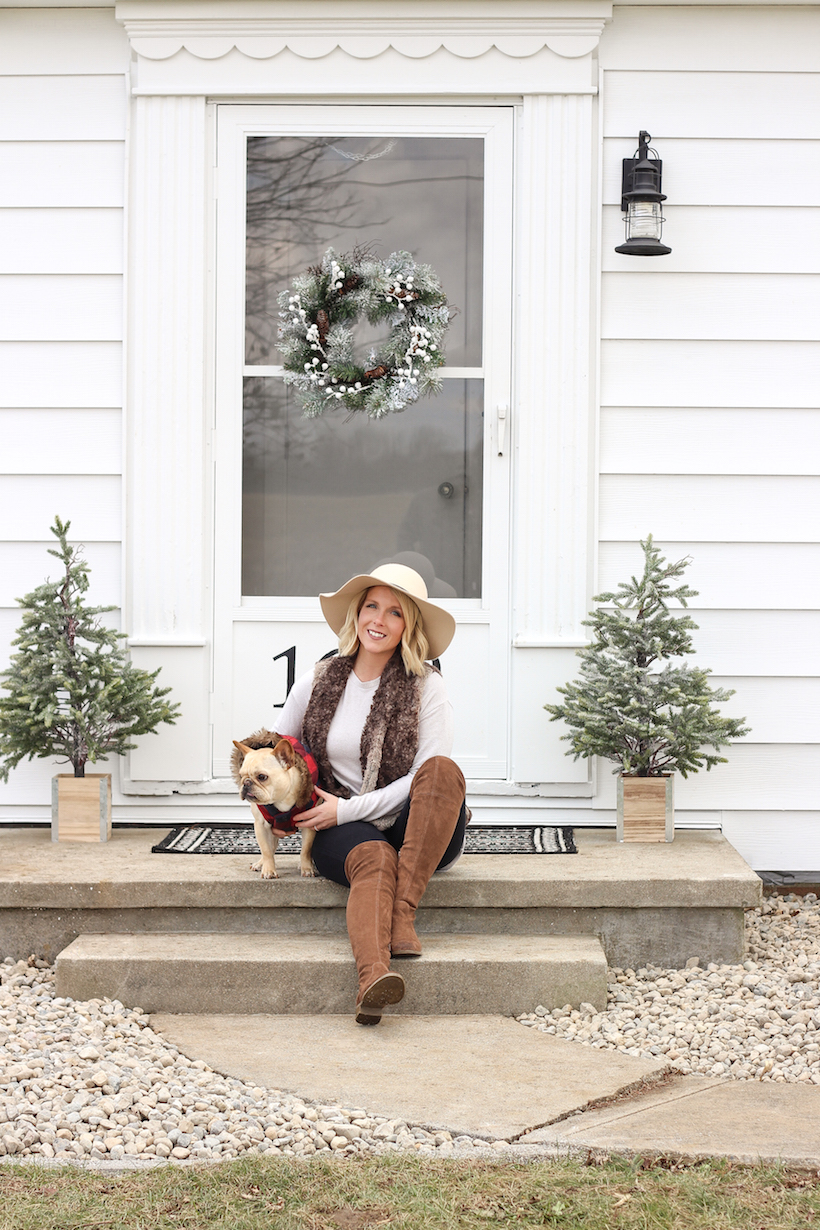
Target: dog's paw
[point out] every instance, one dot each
(268, 870)
(308, 872)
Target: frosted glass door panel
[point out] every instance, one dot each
(421, 194)
(324, 498)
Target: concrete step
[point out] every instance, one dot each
(306, 974)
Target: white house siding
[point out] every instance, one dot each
(710, 380)
(62, 139)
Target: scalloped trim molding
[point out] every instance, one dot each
(468, 36)
(417, 47)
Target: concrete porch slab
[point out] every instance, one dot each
(695, 1117)
(698, 869)
(479, 1075)
(656, 903)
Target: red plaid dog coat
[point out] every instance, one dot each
(286, 820)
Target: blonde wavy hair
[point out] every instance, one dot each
(415, 647)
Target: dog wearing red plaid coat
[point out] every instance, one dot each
(276, 776)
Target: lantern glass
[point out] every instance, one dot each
(644, 220)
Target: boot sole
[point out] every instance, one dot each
(389, 989)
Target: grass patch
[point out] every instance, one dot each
(414, 1194)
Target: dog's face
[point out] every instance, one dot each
(267, 774)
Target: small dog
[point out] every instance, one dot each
(276, 776)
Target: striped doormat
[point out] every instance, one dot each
(204, 839)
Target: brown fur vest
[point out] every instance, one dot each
(390, 738)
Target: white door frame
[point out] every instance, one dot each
(480, 688)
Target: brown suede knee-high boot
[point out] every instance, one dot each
(436, 796)
(371, 870)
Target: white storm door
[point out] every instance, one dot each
(302, 504)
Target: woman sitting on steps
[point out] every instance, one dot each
(379, 725)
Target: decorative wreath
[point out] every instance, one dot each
(316, 337)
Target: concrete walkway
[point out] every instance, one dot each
(488, 1076)
(698, 1116)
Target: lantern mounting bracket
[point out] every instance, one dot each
(629, 165)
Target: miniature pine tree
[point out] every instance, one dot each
(650, 719)
(71, 690)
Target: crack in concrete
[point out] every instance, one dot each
(629, 1113)
(644, 1085)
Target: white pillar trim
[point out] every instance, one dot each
(165, 381)
(554, 366)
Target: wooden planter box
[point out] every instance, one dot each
(81, 807)
(645, 809)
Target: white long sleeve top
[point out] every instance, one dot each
(345, 735)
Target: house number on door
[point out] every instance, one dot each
(290, 654)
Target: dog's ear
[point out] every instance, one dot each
(244, 749)
(285, 754)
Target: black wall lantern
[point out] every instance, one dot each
(641, 198)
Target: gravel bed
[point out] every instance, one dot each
(759, 1020)
(92, 1081)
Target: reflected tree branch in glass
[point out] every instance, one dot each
(294, 197)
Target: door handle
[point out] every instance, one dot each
(501, 425)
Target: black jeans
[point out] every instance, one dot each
(332, 846)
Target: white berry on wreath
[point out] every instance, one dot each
(317, 340)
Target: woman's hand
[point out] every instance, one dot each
(323, 815)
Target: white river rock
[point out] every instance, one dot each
(759, 1020)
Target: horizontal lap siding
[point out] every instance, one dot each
(92, 502)
(709, 373)
(712, 40)
(764, 307)
(710, 508)
(66, 307)
(62, 162)
(82, 241)
(750, 576)
(710, 384)
(25, 565)
(708, 105)
(60, 374)
(62, 441)
(67, 108)
(726, 239)
(730, 172)
(53, 42)
(674, 440)
(61, 174)
(774, 642)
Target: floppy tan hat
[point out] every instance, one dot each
(439, 625)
